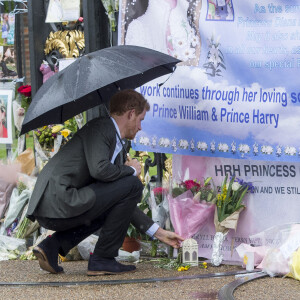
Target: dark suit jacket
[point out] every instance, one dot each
(62, 190)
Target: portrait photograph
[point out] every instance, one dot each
(6, 116)
(8, 66)
(219, 10)
(167, 26)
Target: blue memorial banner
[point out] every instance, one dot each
(236, 93)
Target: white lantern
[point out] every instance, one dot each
(190, 252)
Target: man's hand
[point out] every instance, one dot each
(134, 163)
(169, 237)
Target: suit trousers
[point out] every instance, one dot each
(112, 212)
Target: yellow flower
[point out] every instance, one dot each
(57, 128)
(62, 258)
(183, 268)
(65, 132)
(204, 265)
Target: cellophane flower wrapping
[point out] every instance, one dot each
(227, 212)
(187, 215)
(49, 139)
(159, 205)
(222, 228)
(282, 255)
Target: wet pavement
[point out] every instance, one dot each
(207, 288)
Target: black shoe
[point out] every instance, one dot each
(47, 254)
(106, 266)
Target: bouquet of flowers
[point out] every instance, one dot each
(46, 135)
(191, 205)
(159, 205)
(201, 191)
(49, 139)
(25, 91)
(228, 208)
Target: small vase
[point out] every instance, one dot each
(131, 244)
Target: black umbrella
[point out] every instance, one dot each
(91, 80)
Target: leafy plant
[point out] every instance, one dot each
(133, 232)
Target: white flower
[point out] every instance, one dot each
(183, 144)
(147, 178)
(189, 53)
(244, 148)
(164, 142)
(214, 51)
(175, 54)
(290, 150)
(202, 146)
(267, 150)
(144, 141)
(223, 147)
(195, 41)
(235, 186)
(179, 44)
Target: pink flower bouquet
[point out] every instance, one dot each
(190, 210)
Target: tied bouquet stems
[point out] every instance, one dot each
(228, 207)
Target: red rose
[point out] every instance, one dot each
(25, 90)
(80, 19)
(191, 184)
(159, 191)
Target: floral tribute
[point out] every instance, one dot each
(191, 205)
(159, 194)
(46, 135)
(229, 200)
(228, 208)
(201, 191)
(25, 91)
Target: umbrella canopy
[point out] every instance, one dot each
(91, 80)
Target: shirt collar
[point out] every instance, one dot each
(117, 129)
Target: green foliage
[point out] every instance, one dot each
(25, 102)
(176, 191)
(21, 187)
(231, 197)
(133, 232)
(71, 124)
